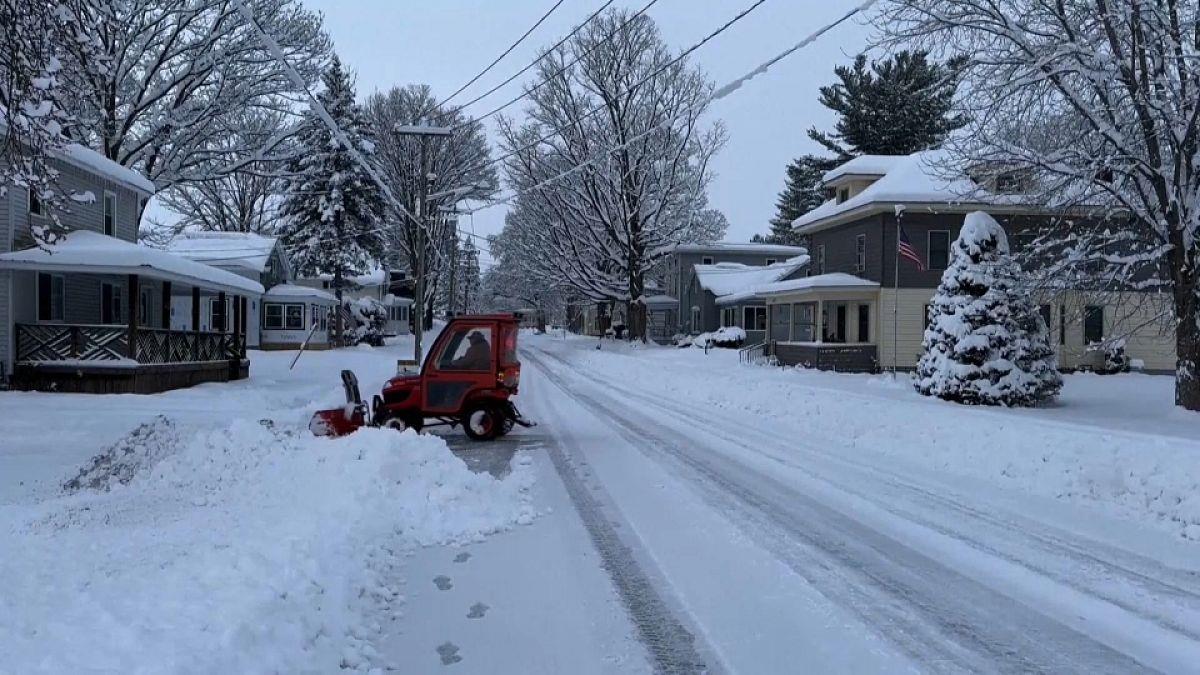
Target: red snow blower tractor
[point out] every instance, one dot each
(469, 378)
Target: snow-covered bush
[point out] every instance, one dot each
(729, 337)
(370, 321)
(986, 343)
(1115, 358)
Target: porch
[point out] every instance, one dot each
(98, 318)
(826, 322)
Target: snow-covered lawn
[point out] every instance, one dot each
(1110, 442)
(236, 546)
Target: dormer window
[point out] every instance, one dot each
(843, 194)
(1010, 183)
(35, 203)
(706, 260)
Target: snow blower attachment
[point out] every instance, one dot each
(469, 378)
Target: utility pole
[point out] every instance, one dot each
(426, 179)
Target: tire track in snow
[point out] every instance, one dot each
(945, 620)
(672, 647)
(1177, 586)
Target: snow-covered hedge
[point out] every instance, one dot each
(235, 550)
(730, 337)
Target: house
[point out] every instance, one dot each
(295, 315)
(392, 288)
(679, 273)
(92, 312)
(862, 308)
(247, 254)
(726, 293)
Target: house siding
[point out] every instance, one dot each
(6, 283)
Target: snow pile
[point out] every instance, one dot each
(726, 336)
(117, 464)
(237, 549)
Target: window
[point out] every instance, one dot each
(754, 318)
(35, 203)
(843, 194)
(110, 303)
(217, 313)
(110, 214)
(860, 253)
(772, 261)
(145, 307)
(833, 321)
(939, 249)
(1093, 324)
(273, 316)
(1044, 310)
(695, 318)
(803, 326)
(294, 317)
(323, 320)
(781, 319)
(469, 348)
(1062, 324)
(51, 297)
(820, 259)
(706, 260)
(864, 323)
(1010, 182)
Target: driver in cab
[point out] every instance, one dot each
(478, 355)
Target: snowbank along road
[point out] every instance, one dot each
(706, 520)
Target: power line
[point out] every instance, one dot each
(682, 55)
(543, 56)
(504, 54)
(729, 88)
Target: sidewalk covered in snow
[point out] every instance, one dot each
(102, 315)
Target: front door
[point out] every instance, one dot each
(464, 360)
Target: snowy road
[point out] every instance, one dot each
(776, 551)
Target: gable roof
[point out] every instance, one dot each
(741, 247)
(727, 278)
(863, 165)
(930, 177)
(90, 160)
(225, 249)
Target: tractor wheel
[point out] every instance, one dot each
(483, 422)
(402, 423)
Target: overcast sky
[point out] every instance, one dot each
(444, 44)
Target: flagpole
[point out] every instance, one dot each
(896, 297)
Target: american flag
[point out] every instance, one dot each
(906, 250)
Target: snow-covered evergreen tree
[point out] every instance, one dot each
(332, 206)
(986, 343)
(897, 106)
(801, 193)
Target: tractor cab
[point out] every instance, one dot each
(469, 377)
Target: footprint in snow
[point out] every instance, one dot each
(449, 653)
(477, 611)
(443, 582)
(462, 557)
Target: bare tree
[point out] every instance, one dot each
(631, 109)
(246, 200)
(1099, 102)
(35, 118)
(180, 77)
(458, 161)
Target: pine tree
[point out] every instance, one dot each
(897, 106)
(986, 343)
(332, 206)
(469, 278)
(801, 193)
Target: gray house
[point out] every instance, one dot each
(92, 312)
(679, 275)
(727, 294)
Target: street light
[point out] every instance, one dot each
(424, 132)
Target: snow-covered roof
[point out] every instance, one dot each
(294, 292)
(726, 278)
(237, 249)
(831, 281)
(95, 162)
(87, 252)
(375, 277)
(929, 177)
(661, 301)
(391, 300)
(741, 247)
(863, 165)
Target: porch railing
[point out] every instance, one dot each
(109, 343)
(754, 354)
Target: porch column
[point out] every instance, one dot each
(224, 313)
(245, 330)
(195, 323)
(166, 305)
(237, 319)
(132, 296)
